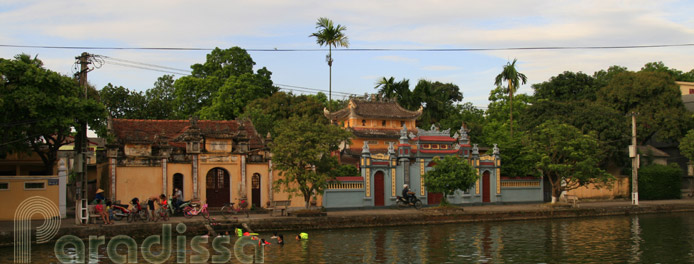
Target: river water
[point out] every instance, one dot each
(665, 238)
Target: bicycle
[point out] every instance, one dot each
(229, 209)
(138, 212)
(162, 212)
(192, 210)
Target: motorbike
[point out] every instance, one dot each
(138, 212)
(120, 211)
(401, 203)
(177, 210)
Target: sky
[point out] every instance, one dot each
(399, 30)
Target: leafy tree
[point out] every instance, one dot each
(677, 74)
(514, 78)
(687, 145)
(438, 100)
(655, 97)
(160, 98)
(225, 73)
(267, 113)
(302, 143)
(467, 114)
(236, 93)
(603, 77)
(657, 182)
(389, 88)
(566, 157)
(40, 108)
(567, 86)
(123, 103)
(330, 35)
(449, 174)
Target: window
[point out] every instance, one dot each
(691, 91)
(363, 122)
(444, 146)
(383, 124)
(4, 186)
(435, 146)
(426, 146)
(34, 185)
(372, 142)
(402, 123)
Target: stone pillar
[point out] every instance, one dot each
(112, 154)
(242, 190)
(269, 176)
(62, 185)
(195, 176)
(163, 175)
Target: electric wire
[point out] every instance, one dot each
(360, 49)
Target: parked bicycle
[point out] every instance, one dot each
(228, 209)
(194, 209)
(162, 212)
(138, 212)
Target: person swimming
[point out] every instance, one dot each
(302, 236)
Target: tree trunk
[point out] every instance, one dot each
(510, 101)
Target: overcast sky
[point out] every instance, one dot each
(416, 24)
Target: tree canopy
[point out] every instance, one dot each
(40, 107)
(449, 174)
(300, 148)
(565, 156)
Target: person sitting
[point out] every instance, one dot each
(407, 195)
(99, 208)
(177, 197)
(99, 196)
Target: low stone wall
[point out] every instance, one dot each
(405, 217)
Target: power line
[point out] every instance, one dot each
(363, 49)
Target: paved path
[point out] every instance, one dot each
(6, 227)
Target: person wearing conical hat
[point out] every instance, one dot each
(99, 195)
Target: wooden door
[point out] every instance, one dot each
(255, 192)
(434, 198)
(218, 186)
(485, 187)
(379, 189)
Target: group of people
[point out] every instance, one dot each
(106, 212)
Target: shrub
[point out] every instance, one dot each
(658, 182)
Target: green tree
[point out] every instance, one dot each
(514, 79)
(687, 145)
(566, 157)
(160, 98)
(40, 108)
(330, 35)
(400, 91)
(267, 113)
(675, 73)
(467, 114)
(655, 97)
(567, 86)
(438, 100)
(449, 174)
(301, 145)
(123, 103)
(229, 70)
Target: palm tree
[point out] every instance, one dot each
(332, 36)
(513, 77)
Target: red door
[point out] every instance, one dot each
(485, 187)
(434, 198)
(379, 193)
(217, 187)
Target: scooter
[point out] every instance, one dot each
(401, 203)
(177, 210)
(120, 211)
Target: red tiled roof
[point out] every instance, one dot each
(435, 138)
(373, 109)
(145, 131)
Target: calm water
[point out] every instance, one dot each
(667, 238)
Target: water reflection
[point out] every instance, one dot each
(627, 239)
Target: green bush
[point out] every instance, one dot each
(658, 182)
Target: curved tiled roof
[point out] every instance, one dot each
(373, 109)
(171, 131)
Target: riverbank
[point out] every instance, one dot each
(336, 219)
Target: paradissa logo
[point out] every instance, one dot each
(222, 253)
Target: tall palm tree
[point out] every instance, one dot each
(513, 77)
(332, 36)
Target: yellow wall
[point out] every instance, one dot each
(378, 123)
(234, 170)
(16, 194)
(140, 182)
(262, 169)
(187, 172)
(620, 188)
(685, 86)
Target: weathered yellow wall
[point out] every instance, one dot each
(297, 199)
(234, 170)
(685, 86)
(140, 182)
(262, 169)
(184, 169)
(16, 194)
(620, 188)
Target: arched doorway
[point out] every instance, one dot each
(379, 192)
(178, 183)
(486, 187)
(255, 191)
(217, 187)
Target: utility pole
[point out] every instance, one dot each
(83, 147)
(633, 153)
